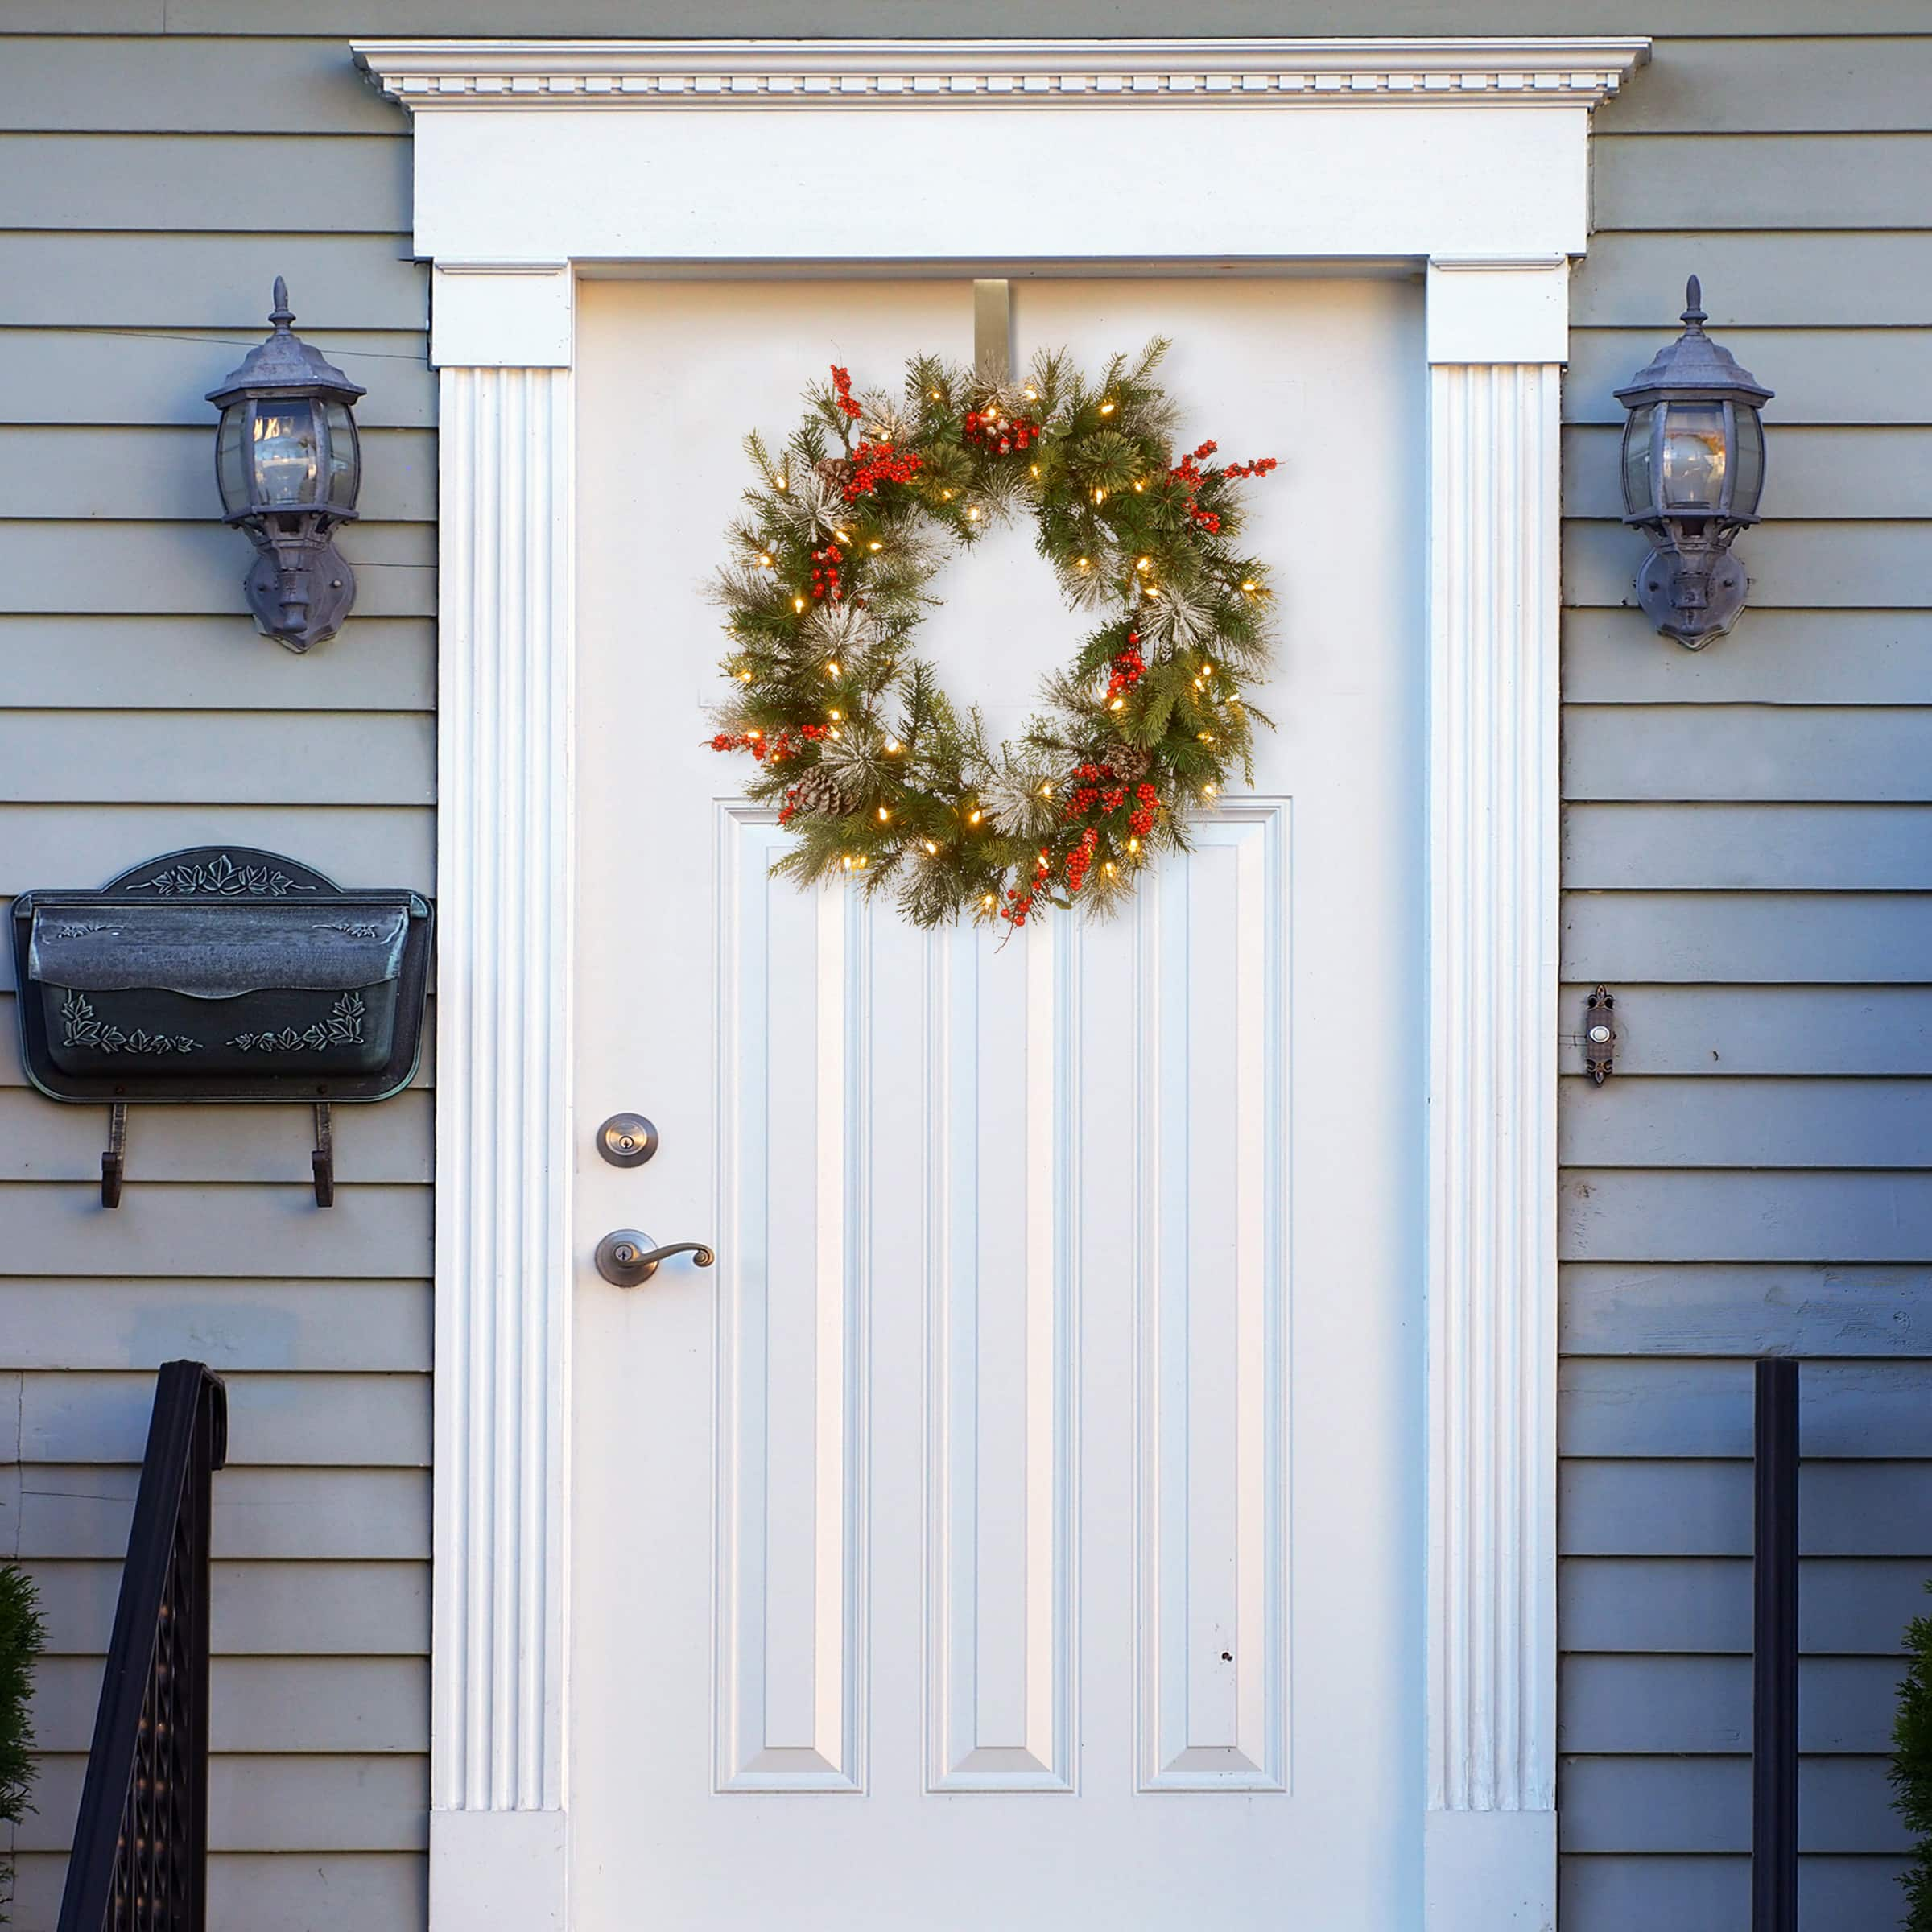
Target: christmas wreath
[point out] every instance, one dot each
(874, 770)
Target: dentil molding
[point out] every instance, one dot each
(1519, 72)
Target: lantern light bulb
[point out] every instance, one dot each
(1118, 704)
(744, 677)
(1033, 395)
(932, 847)
(974, 816)
(884, 815)
(875, 544)
(1133, 844)
(798, 604)
(1143, 563)
(781, 482)
(831, 668)
(892, 744)
(1107, 409)
(835, 716)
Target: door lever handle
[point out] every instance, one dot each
(626, 1258)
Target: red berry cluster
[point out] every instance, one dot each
(1189, 473)
(1080, 859)
(825, 572)
(841, 384)
(776, 749)
(1018, 904)
(1147, 802)
(1129, 667)
(877, 463)
(989, 432)
(1095, 790)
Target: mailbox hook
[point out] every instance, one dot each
(113, 1163)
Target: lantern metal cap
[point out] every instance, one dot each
(284, 364)
(1693, 366)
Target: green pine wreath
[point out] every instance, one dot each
(876, 773)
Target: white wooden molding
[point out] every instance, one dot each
(512, 206)
(504, 1266)
(1531, 72)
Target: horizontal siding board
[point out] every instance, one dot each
(1788, 85)
(285, 1704)
(1721, 1031)
(1794, 566)
(218, 758)
(1879, 469)
(76, 567)
(1723, 846)
(57, 1229)
(87, 844)
(1638, 1804)
(213, 664)
(292, 1892)
(275, 1421)
(1774, 657)
(370, 1515)
(1748, 938)
(1716, 1122)
(1674, 753)
(272, 182)
(262, 1609)
(1847, 1606)
(1789, 279)
(204, 281)
(263, 1803)
(160, 84)
(1863, 377)
(1703, 1308)
(1660, 1894)
(118, 472)
(1699, 1706)
(1613, 1507)
(1646, 1215)
(106, 374)
(317, 1326)
(1652, 1408)
(1752, 182)
(391, 1143)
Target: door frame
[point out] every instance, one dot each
(540, 162)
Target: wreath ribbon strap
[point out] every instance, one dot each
(876, 773)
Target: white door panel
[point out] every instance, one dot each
(1020, 1527)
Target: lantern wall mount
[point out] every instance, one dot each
(288, 465)
(1693, 470)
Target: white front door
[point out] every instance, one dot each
(1019, 1529)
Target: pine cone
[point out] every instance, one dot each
(835, 470)
(817, 790)
(1132, 762)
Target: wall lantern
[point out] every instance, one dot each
(1694, 465)
(288, 465)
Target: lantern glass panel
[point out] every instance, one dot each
(1748, 476)
(1693, 456)
(287, 455)
(231, 466)
(344, 456)
(1637, 461)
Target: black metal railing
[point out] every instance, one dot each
(1774, 1654)
(140, 1857)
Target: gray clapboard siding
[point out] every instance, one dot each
(352, 1803)
(296, 1705)
(1747, 1309)
(1651, 1215)
(200, 281)
(1793, 566)
(1698, 1705)
(1787, 280)
(1779, 657)
(1642, 1508)
(98, 374)
(372, 1515)
(72, 567)
(1777, 181)
(275, 1421)
(1785, 86)
(295, 1892)
(1825, 378)
(258, 1608)
(1625, 1804)
(1847, 1606)
(1727, 848)
(1647, 1407)
(220, 758)
(273, 183)
(1661, 1894)
(1878, 469)
(87, 844)
(1725, 1031)
(1722, 1122)
(211, 663)
(122, 474)
(1748, 938)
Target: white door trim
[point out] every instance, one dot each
(539, 161)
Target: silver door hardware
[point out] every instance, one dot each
(625, 1258)
(627, 1140)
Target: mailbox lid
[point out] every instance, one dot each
(218, 949)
